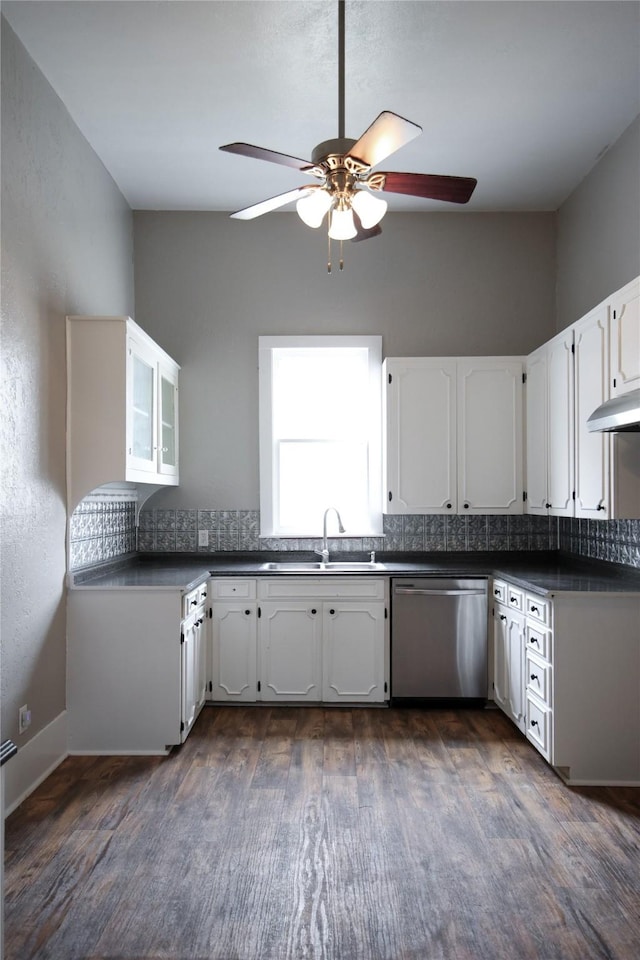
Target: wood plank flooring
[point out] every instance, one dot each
(311, 834)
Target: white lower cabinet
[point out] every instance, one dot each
(316, 639)
(580, 683)
(508, 655)
(134, 686)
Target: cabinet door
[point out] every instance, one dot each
(500, 672)
(167, 421)
(353, 652)
(420, 425)
(625, 339)
(560, 424)
(234, 651)
(490, 436)
(537, 439)
(189, 656)
(141, 407)
(289, 639)
(591, 389)
(515, 644)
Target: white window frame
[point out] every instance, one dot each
(268, 506)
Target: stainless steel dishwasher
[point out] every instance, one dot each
(439, 639)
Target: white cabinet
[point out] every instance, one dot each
(122, 407)
(234, 640)
(625, 338)
(607, 474)
(453, 435)
(353, 651)
(508, 653)
(581, 657)
(290, 638)
(133, 686)
(550, 427)
(323, 639)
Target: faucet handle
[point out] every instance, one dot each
(372, 556)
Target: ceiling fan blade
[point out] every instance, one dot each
(364, 233)
(259, 153)
(265, 206)
(387, 133)
(430, 186)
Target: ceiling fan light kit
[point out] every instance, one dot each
(343, 167)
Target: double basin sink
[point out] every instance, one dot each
(313, 566)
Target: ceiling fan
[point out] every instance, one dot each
(348, 189)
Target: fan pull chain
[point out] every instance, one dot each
(341, 257)
(328, 254)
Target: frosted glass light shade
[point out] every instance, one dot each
(312, 208)
(370, 209)
(342, 225)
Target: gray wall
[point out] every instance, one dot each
(67, 247)
(433, 284)
(599, 231)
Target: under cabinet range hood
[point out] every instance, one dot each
(618, 415)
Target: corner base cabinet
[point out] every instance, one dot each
(580, 685)
(137, 668)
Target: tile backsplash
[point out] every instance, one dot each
(177, 530)
(103, 528)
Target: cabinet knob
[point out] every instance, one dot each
(466, 506)
(534, 723)
(248, 613)
(502, 616)
(194, 603)
(513, 599)
(534, 676)
(314, 612)
(534, 609)
(548, 506)
(448, 506)
(332, 612)
(535, 640)
(496, 592)
(600, 507)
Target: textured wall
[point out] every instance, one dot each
(431, 285)
(599, 231)
(66, 248)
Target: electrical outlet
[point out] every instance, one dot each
(24, 718)
(203, 538)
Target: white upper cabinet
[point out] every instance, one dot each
(453, 435)
(122, 406)
(420, 426)
(591, 389)
(625, 339)
(550, 431)
(490, 475)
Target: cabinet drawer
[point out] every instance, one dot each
(539, 640)
(539, 726)
(233, 588)
(315, 588)
(538, 678)
(499, 591)
(539, 609)
(192, 599)
(514, 598)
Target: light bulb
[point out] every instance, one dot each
(370, 209)
(312, 208)
(342, 225)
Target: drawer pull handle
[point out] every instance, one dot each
(534, 676)
(535, 640)
(534, 723)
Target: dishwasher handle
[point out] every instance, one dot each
(420, 592)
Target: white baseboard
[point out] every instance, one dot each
(34, 762)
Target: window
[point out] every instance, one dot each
(320, 429)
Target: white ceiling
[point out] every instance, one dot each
(524, 96)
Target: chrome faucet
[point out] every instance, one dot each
(324, 553)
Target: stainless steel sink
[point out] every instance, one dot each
(316, 567)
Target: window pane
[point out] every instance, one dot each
(314, 475)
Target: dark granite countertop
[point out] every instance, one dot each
(546, 573)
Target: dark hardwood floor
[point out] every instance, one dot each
(312, 834)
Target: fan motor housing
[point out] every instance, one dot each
(331, 152)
